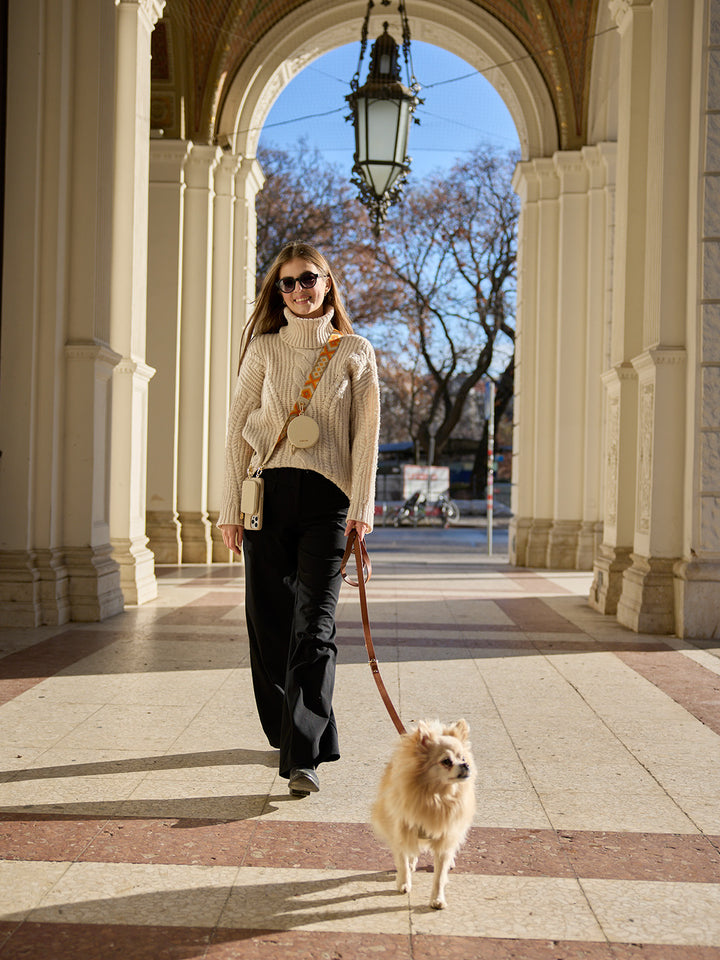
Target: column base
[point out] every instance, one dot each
(519, 532)
(195, 537)
(137, 570)
(563, 544)
(163, 533)
(220, 553)
(697, 599)
(537, 543)
(589, 540)
(34, 589)
(647, 601)
(608, 568)
(95, 592)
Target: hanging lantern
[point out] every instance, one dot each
(381, 113)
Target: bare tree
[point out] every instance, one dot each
(304, 198)
(451, 247)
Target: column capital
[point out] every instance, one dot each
(621, 11)
(167, 159)
(200, 164)
(151, 10)
(572, 169)
(525, 181)
(225, 172)
(548, 179)
(250, 178)
(621, 373)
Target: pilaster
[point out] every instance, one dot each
(221, 378)
(135, 21)
(193, 407)
(647, 600)
(545, 361)
(620, 443)
(164, 302)
(697, 572)
(600, 162)
(570, 382)
(525, 184)
(94, 577)
(249, 181)
(626, 303)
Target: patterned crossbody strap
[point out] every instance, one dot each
(306, 394)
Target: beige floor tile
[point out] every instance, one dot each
(316, 900)
(506, 907)
(115, 726)
(23, 885)
(704, 812)
(41, 724)
(169, 689)
(66, 793)
(161, 895)
(519, 808)
(674, 913)
(615, 810)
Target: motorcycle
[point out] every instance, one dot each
(417, 508)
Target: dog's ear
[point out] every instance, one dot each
(460, 729)
(422, 733)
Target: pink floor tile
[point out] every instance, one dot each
(687, 682)
(55, 941)
(627, 856)
(48, 839)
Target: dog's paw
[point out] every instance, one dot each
(438, 904)
(404, 887)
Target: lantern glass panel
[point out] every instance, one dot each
(382, 132)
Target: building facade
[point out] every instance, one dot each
(128, 266)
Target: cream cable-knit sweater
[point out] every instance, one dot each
(345, 405)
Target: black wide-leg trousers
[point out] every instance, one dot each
(292, 583)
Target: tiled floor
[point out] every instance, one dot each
(141, 816)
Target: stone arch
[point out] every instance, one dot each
(317, 27)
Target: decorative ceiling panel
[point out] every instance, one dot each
(218, 34)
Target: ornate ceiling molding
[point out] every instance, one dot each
(214, 38)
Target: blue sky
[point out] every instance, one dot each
(458, 114)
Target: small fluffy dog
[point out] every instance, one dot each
(426, 799)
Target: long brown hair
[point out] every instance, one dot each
(268, 313)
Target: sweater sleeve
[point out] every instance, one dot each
(238, 452)
(364, 432)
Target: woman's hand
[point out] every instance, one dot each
(362, 528)
(232, 537)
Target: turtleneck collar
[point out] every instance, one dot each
(307, 333)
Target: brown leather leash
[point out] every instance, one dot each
(364, 572)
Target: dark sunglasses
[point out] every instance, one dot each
(306, 280)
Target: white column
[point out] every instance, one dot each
(526, 185)
(634, 19)
(545, 362)
(600, 161)
(193, 408)
(55, 395)
(221, 378)
(136, 19)
(570, 372)
(697, 574)
(647, 599)
(248, 181)
(164, 300)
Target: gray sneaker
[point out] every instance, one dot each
(303, 780)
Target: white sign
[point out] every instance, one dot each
(432, 481)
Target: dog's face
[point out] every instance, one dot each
(445, 753)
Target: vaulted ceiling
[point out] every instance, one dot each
(199, 45)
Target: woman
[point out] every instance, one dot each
(314, 497)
